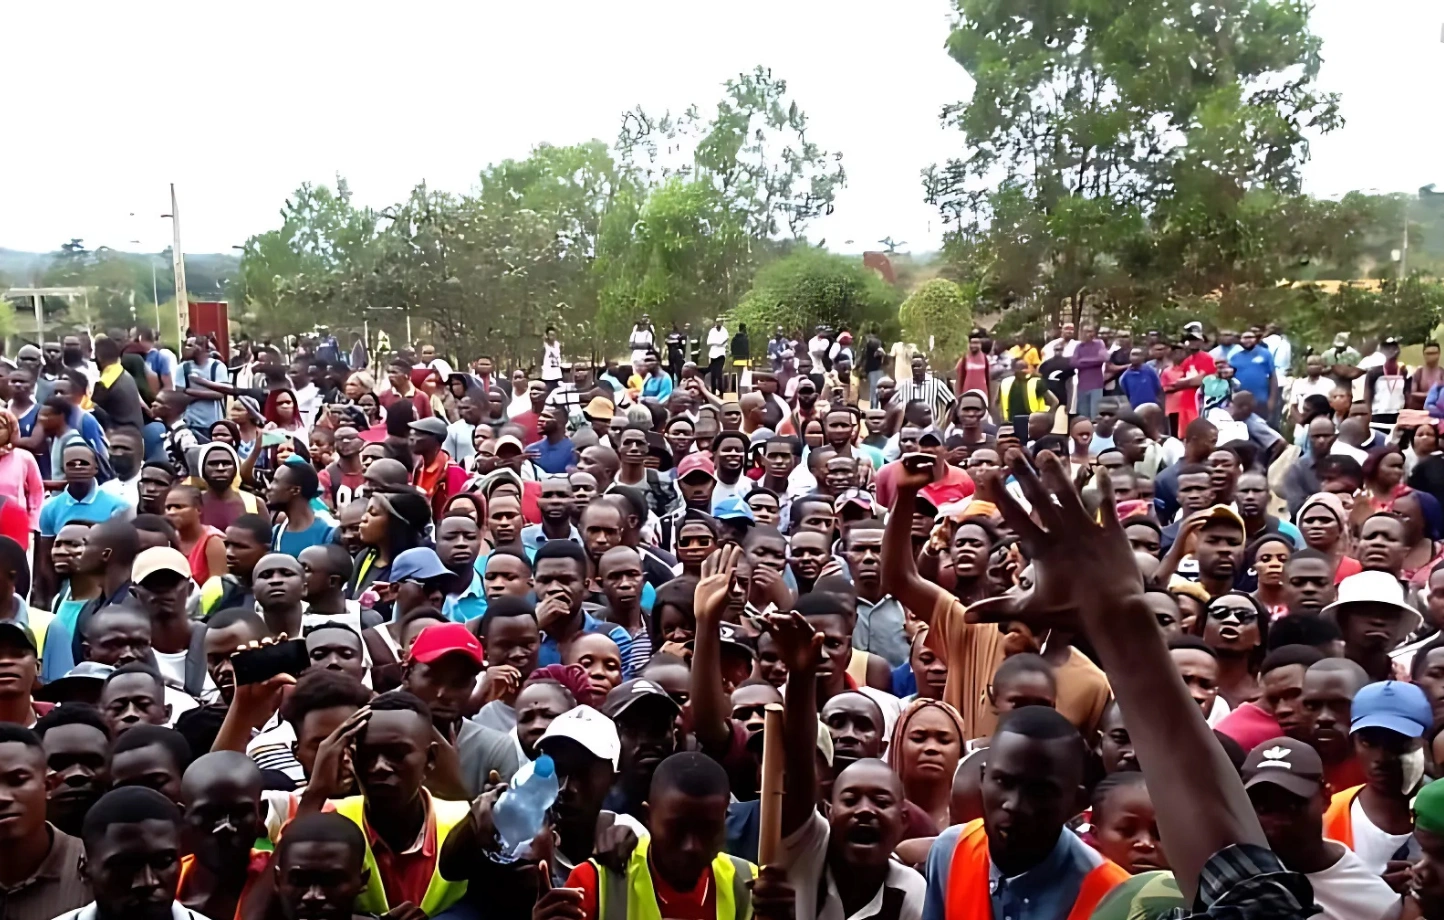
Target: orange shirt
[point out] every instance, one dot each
(973, 652)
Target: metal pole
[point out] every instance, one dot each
(179, 267)
(39, 323)
(155, 297)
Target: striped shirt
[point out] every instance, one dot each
(932, 391)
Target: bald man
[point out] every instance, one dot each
(221, 794)
(279, 582)
(754, 412)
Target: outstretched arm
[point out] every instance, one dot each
(801, 647)
(1202, 807)
(709, 700)
(900, 576)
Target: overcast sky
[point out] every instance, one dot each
(111, 101)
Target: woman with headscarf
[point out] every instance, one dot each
(358, 384)
(1325, 526)
(927, 743)
(245, 414)
(20, 479)
(509, 479)
(428, 380)
(393, 523)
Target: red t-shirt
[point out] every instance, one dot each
(1250, 726)
(698, 904)
(343, 491)
(15, 522)
(1200, 362)
(531, 422)
(420, 400)
(1348, 565)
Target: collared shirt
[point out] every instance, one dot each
(879, 629)
(405, 875)
(932, 391)
(549, 652)
(127, 490)
(56, 887)
(804, 856)
(553, 458)
(1045, 892)
(62, 508)
(533, 537)
(467, 605)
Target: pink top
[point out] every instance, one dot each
(21, 483)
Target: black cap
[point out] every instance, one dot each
(631, 692)
(1291, 765)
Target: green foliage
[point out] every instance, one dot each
(810, 287)
(939, 312)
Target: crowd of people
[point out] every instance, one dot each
(1079, 627)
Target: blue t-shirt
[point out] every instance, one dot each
(202, 412)
(550, 652)
(1141, 386)
(1254, 368)
(322, 530)
(658, 387)
(553, 458)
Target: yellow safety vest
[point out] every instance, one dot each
(440, 893)
(633, 898)
(1037, 402)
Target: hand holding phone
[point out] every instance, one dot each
(253, 666)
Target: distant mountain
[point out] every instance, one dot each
(21, 268)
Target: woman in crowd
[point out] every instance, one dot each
(519, 399)
(1324, 524)
(927, 743)
(204, 547)
(428, 380)
(281, 413)
(812, 433)
(1235, 625)
(1384, 477)
(1266, 556)
(358, 384)
(246, 415)
(375, 429)
(394, 522)
(1423, 445)
(20, 480)
(226, 432)
(1424, 550)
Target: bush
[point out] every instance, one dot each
(941, 312)
(811, 287)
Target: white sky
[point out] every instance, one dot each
(101, 112)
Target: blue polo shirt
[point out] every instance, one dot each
(469, 604)
(550, 652)
(63, 508)
(554, 458)
(1254, 368)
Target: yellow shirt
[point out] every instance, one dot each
(1029, 354)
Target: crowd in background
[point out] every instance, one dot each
(1106, 623)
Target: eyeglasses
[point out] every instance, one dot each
(1223, 612)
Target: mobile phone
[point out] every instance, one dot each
(272, 438)
(253, 666)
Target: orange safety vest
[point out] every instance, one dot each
(969, 897)
(1338, 822)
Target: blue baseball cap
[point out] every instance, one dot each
(1394, 705)
(419, 564)
(731, 508)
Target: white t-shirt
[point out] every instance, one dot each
(271, 750)
(717, 339)
(1373, 847)
(1365, 364)
(817, 347)
(172, 667)
(1303, 388)
(804, 856)
(1347, 890)
(1389, 392)
(551, 361)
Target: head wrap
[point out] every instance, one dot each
(571, 676)
(900, 730)
(1329, 502)
(1429, 808)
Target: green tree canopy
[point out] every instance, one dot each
(811, 287)
(941, 313)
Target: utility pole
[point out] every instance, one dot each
(178, 263)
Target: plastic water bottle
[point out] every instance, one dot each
(522, 809)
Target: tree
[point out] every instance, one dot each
(811, 287)
(938, 317)
(716, 194)
(1142, 148)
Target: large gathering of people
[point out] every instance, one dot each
(1100, 623)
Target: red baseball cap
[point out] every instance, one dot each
(445, 639)
(694, 462)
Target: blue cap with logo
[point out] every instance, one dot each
(1394, 705)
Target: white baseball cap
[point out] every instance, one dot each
(590, 729)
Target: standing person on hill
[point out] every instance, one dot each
(717, 339)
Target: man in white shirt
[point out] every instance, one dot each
(1313, 383)
(641, 340)
(717, 339)
(866, 808)
(818, 346)
(1064, 345)
(1285, 782)
(551, 359)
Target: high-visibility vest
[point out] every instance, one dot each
(634, 898)
(969, 896)
(440, 893)
(1338, 820)
(1037, 402)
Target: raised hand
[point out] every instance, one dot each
(556, 903)
(916, 472)
(502, 682)
(719, 573)
(798, 644)
(1071, 552)
(335, 758)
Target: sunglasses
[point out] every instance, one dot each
(1244, 616)
(747, 713)
(690, 542)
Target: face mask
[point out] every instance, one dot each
(1413, 766)
(124, 467)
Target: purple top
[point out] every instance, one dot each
(1088, 360)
